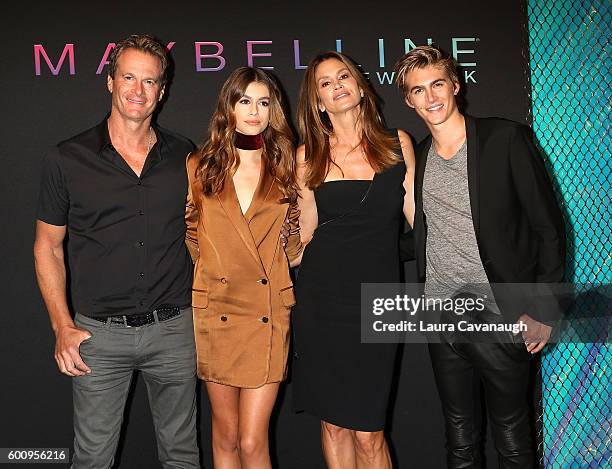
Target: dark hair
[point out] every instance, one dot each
(218, 156)
(143, 43)
(423, 56)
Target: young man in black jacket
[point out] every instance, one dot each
(485, 215)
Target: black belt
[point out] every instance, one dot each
(142, 319)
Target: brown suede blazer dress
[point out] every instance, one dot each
(242, 291)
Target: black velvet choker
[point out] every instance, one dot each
(248, 142)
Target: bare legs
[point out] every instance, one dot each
(224, 403)
(371, 450)
(338, 446)
(350, 449)
(255, 409)
(240, 419)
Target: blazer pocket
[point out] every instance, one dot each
(287, 297)
(199, 299)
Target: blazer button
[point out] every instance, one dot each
(223, 280)
(264, 319)
(263, 281)
(223, 318)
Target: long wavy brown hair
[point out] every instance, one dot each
(316, 128)
(218, 156)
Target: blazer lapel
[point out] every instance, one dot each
(229, 201)
(421, 161)
(420, 229)
(473, 169)
(261, 216)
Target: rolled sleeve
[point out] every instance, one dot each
(192, 214)
(294, 244)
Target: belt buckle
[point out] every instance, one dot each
(120, 320)
(139, 320)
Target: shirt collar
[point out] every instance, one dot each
(103, 140)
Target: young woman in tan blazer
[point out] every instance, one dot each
(242, 190)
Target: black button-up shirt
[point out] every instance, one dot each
(126, 249)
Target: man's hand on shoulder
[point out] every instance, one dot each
(67, 343)
(537, 334)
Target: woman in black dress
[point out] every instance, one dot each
(354, 176)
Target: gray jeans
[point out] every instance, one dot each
(164, 352)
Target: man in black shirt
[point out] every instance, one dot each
(118, 191)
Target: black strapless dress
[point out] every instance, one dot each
(335, 377)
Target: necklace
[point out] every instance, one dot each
(149, 139)
(150, 136)
(248, 142)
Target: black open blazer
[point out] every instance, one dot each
(518, 224)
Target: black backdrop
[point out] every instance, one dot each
(41, 108)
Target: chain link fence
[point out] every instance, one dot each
(569, 63)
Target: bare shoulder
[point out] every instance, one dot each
(407, 147)
(300, 154)
(300, 159)
(404, 138)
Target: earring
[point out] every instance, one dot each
(321, 109)
(361, 93)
